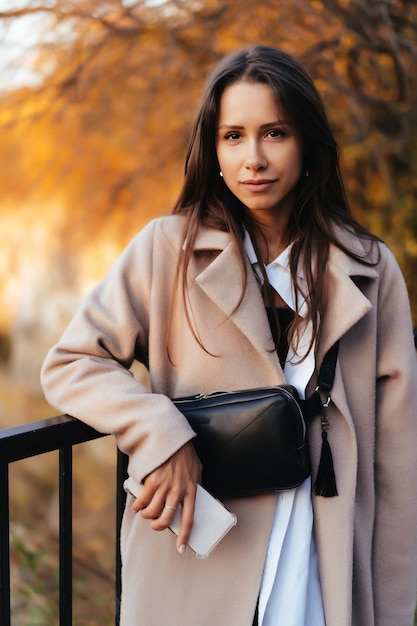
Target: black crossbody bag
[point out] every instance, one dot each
(255, 441)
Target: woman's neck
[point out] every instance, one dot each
(272, 243)
(273, 237)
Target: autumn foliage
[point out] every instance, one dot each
(96, 147)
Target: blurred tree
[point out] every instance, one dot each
(104, 132)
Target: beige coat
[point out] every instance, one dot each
(367, 536)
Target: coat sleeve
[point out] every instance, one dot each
(395, 536)
(87, 374)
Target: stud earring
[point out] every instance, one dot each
(221, 173)
(307, 173)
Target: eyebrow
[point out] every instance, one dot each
(267, 125)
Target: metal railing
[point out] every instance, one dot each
(59, 433)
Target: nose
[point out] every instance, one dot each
(255, 158)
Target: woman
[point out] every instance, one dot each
(261, 229)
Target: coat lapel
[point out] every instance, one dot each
(347, 305)
(222, 281)
(346, 302)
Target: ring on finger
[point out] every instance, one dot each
(172, 508)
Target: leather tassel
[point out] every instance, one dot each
(325, 484)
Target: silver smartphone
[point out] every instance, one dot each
(212, 520)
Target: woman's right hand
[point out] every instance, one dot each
(171, 484)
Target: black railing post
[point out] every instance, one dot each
(4, 546)
(65, 536)
(121, 474)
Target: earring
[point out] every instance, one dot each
(307, 173)
(221, 173)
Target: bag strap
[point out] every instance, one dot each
(328, 369)
(313, 405)
(325, 484)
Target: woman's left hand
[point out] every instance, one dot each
(171, 484)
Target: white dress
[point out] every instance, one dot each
(290, 593)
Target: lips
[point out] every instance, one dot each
(258, 185)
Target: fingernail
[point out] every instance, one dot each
(181, 549)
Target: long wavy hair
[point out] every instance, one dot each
(320, 202)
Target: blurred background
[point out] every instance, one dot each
(96, 104)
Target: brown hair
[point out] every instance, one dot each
(320, 202)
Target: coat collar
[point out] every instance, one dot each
(221, 280)
(347, 303)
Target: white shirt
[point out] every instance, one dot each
(290, 593)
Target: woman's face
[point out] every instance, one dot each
(260, 152)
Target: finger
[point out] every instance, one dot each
(154, 507)
(139, 504)
(153, 500)
(145, 497)
(165, 518)
(150, 500)
(143, 501)
(187, 517)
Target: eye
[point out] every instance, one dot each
(232, 136)
(275, 133)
